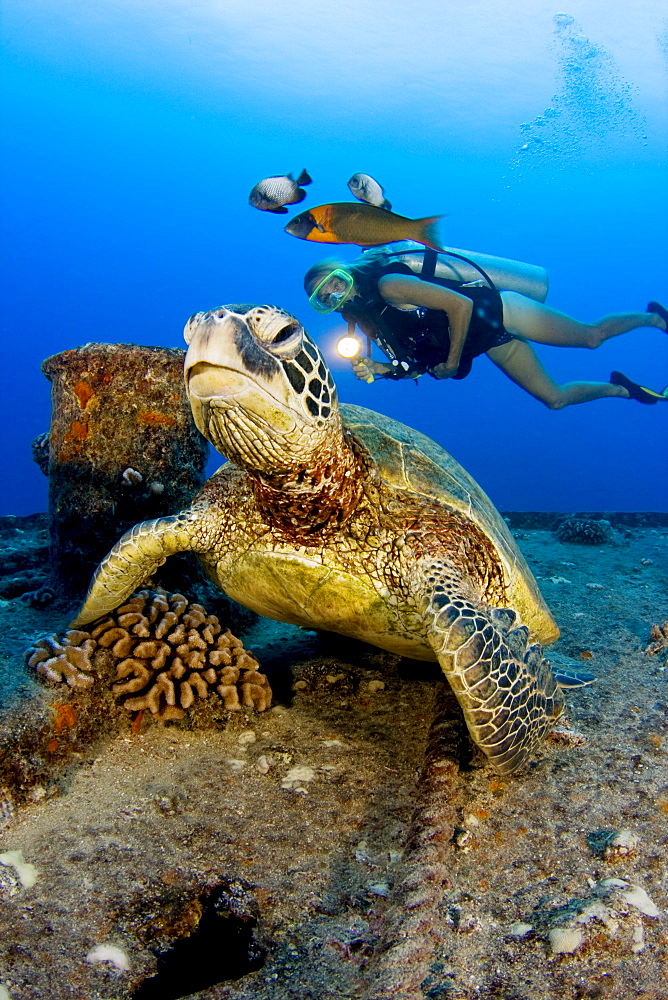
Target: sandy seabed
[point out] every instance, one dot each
(348, 842)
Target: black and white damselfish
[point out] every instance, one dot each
(273, 193)
(367, 189)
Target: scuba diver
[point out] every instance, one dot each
(433, 313)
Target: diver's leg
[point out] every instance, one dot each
(518, 361)
(535, 321)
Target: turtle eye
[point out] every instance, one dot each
(277, 331)
(284, 332)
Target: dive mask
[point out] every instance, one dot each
(330, 293)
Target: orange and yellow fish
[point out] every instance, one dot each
(365, 225)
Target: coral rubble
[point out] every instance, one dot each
(613, 909)
(163, 654)
(658, 639)
(613, 844)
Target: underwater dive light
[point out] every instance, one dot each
(349, 346)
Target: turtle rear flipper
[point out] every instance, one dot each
(509, 695)
(135, 557)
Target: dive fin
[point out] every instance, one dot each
(638, 392)
(426, 232)
(280, 210)
(656, 307)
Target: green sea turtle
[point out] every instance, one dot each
(339, 518)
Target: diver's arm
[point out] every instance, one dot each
(402, 290)
(366, 369)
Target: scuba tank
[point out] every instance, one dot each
(470, 267)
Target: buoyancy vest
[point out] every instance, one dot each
(417, 340)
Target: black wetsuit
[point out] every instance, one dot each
(420, 338)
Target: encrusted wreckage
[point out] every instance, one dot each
(122, 445)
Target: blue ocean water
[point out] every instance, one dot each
(134, 132)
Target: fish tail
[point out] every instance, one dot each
(304, 178)
(426, 232)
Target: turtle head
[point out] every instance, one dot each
(259, 388)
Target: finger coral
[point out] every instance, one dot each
(582, 530)
(67, 659)
(167, 654)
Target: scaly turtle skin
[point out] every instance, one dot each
(360, 526)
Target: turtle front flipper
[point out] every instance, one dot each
(135, 557)
(506, 689)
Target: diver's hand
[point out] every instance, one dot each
(366, 368)
(444, 370)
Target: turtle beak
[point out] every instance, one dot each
(213, 360)
(213, 370)
(229, 367)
